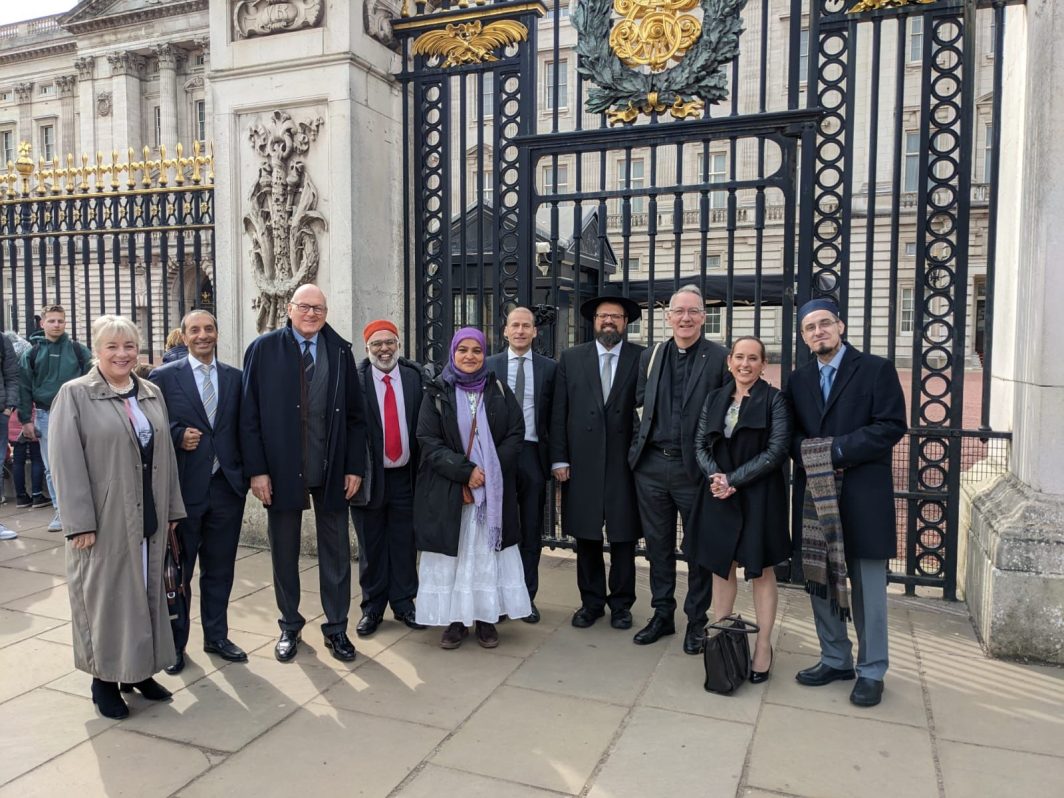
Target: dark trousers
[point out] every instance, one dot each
(212, 537)
(664, 489)
(531, 495)
(334, 564)
(19, 452)
(591, 575)
(387, 558)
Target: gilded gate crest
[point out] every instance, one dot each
(652, 35)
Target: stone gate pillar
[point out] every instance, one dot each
(1014, 565)
(308, 162)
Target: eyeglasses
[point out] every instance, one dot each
(823, 324)
(386, 344)
(681, 312)
(610, 316)
(303, 307)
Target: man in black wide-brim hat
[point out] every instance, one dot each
(591, 430)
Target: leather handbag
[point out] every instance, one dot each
(726, 653)
(467, 492)
(172, 579)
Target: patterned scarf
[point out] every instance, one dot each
(823, 554)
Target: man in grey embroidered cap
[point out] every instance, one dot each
(849, 412)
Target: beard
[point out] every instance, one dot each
(608, 338)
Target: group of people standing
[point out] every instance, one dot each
(455, 467)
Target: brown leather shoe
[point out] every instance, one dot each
(453, 635)
(486, 635)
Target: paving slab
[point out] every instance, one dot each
(16, 583)
(969, 770)
(600, 663)
(227, 709)
(49, 559)
(60, 633)
(422, 684)
(434, 781)
(677, 685)
(668, 753)
(21, 546)
(16, 626)
(32, 663)
(115, 763)
(257, 612)
(552, 741)
(328, 751)
(52, 602)
(42, 724)
(843, 757)
(516, 638)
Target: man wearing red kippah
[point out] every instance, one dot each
(383, 510)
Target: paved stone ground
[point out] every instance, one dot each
(552, 711)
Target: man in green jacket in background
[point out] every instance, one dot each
(52, 360)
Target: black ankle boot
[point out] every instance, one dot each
(149, 688)
(107, 699)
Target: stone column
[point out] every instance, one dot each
(65, 84)
(126, 69)
(86, 106)
(1014, 568)
(24, 95)
(169, 59)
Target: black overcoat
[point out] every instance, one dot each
(594, 438)
(865, 414)
(444, 468)
(271, 418)
(751, 526)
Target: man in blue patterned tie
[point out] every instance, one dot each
(203, 401)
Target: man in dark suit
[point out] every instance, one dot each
(856, 400)
(531, 378)
(591, 430)
(384, 519)
(303, 436)
(674, 379)
(203, 401)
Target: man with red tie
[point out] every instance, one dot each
(383, 513)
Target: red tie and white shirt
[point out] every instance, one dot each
(389, 389)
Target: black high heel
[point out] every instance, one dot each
(106, 698)
(149, 688)
(758, 677)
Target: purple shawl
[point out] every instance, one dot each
(487, 499)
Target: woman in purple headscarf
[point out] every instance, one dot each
(470, 430)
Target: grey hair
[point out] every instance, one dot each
(690, 288)
(193, 312)
(107, 328)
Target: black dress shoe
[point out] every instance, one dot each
(658, 627)
(368, 625)
(867, 692)
(409, 619)
(585, 617)
(621, 619)
(178, 666)
(287, 646)
(821, 674)
(694, 637)
(226, 649)
(149, 688)
(108, 700)
(341, 646)
(532, 617)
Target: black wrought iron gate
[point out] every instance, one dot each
(839, 158)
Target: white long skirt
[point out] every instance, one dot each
(477, 585)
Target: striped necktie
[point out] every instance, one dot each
(308, 362)
(210, 402)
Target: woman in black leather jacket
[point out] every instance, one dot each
(741, 446)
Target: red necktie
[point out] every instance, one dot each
(393, 441)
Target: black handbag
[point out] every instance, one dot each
(726, 653)
(173, 582)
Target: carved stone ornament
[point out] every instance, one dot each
(66, 84)
(103, 103)
(24, 92)
(377, 16)
(266, 17)
(282, 222)
(125, 63)
(85, 66)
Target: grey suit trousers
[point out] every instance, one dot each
(868, 598)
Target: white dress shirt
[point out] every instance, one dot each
(400, 406)
(528, 401)
(601, 350)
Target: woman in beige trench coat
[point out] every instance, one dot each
(109, 438)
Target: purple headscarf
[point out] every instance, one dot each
(452, 375)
